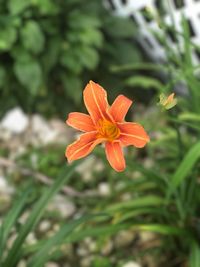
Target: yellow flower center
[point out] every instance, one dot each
(108, 130)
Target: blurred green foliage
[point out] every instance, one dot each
(160, 191)
(50, 49)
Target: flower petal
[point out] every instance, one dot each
(80, 121)
(120, 107)
(83, 146)
(132, 134)
(115, 156)
(95, 98)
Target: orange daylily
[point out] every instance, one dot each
(104, 124)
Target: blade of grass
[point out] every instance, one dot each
(184, 168)
(146, 201)
(1, 242)
(161, 229)
(189, 116)
(123, 217)
(190, 125)
(109, 230)
(96, 231)
(144, 82)
(10, 220)
(44, 254)
(139, 66)
(14, 253)
(194, 258)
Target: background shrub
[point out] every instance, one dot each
(50, 49)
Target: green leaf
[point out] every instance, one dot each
(112, 229)
(11, 218)
(32, 37)
(70, 60)
(185, 167)
(127, 52)
(29, 74)
(20, 54)
(139, 66)
(189, 116)
(89, 57)
(194, 258)
(17, 6)
(91, 37)
(119, 27)
(161, 229)
(129, 215)
(77, 57)
(144, 82)
(146, 201)
(37, 212)
(51, 57)
(46, 7)
(73, 87)
(79, 20)
(8, 36)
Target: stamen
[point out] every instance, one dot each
(108, 130)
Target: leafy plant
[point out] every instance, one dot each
(15, 253)
(175, 157)
(50, 49)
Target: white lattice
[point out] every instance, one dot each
(136, 10)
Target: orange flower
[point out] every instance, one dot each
(104, 124)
